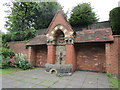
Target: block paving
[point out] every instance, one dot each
(38, 78)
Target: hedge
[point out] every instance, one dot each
(115, 20)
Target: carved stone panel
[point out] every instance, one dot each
(60, 54)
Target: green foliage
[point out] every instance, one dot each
(4, 63)
(27, 17)
(6, 52)
(45, 12)
(5, 38)
(9, 70)
(115, 82)
(23, 35)
(9, 59)
(18, 36)
(115, 20)
(82, 15)
(21, 16)
(19, 61)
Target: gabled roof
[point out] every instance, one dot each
(94, 35)
(38, 40)
(59, 19)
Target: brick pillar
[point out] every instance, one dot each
(108, 57)
(51, 54)
(31, 55)
(112, 56)
(70, 56)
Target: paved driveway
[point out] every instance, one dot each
(38, 78)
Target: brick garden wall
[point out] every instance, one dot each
(90, 56)
(19, 47)
(40, 52)
(41, 55)
(113, 56)
(32, 55)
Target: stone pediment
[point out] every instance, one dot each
(59, 23)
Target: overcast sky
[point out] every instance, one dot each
(101, 7)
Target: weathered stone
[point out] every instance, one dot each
(66, 68)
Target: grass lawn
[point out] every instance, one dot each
(115, 83)
(9, 70)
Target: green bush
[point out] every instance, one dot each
(23, 35)
(4, 63)
(6, 52)
(6, 38)
(115, 20)
(19, 61)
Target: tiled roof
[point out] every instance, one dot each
(94, 35)
(38, 40)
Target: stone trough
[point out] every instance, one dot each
(59, 69)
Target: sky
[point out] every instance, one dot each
(101, 8)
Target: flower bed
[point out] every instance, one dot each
(17, 61)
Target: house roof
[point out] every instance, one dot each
(38, 40)
(92, 35)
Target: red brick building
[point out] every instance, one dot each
(93, 50)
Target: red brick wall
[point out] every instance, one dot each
(70, 55)
(32, 55)
(90, 56)
(51, 54)
(41, 55)
(113, 56)
(19, 47)
(39, 52)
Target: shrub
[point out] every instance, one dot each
(13, 62)
(22, 35)
(115, 20)
(6, 52)
(20, 61)
(17, 61)
(4, 63)
(6, 38)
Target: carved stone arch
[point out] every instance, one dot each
(68, 34)
(62, 28)
(58, 33)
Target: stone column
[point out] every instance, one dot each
(51, 54)
(31, 55)
(70, 55)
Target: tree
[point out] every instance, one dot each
(115, 20)
(45, 13)
(82, 15)
(26, 17)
